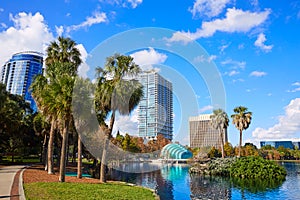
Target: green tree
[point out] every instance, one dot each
(228, 149)
(241, 119)
(117, 90)
(220, 121)
(53, 93)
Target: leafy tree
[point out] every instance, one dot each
(220, 121)
(116, 92)
(228, 149)
(241, 119)
(214, 153)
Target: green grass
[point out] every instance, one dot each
(85, 191)
(19, 159)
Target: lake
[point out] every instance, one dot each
(174, 182)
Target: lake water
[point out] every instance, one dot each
(174, 182)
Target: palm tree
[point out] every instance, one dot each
(241, 119)
(220, 121)
(54, 91)
(117, 90)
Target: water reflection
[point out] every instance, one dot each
(174, 182)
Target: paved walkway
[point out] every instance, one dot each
(11, 186)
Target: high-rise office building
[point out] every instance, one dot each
(202, 134)
(156, 107)
(17, 74)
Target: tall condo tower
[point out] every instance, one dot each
(156, 107)
(202, 133)
(17, 74)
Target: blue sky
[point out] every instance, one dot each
(253, 44)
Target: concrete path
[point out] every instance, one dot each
(10, 175)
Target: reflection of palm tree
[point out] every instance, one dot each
(116, 92)
(220, 121)
(241, 119)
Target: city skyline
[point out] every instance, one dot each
(254, 45)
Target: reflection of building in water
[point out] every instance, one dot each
(209, 188)
(202, 134)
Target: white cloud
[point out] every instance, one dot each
(124, 3)
(205, 109)
(258, 73)
(233, 73)
(202, 58)
(294, 90)
(83, 68)
(29, 32)
(96, 18)
(209, 8)
(234, 64)
(261, 39)
(147, 58)
(127, 123)
(1, 9)
(236, 20)
(288, 125)
(296, 84)
(59, 30)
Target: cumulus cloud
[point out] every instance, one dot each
(288, 125)
(96, 18)
(29, 32)
(209, 8)
(147, 58)
(236, 20)
(127, 123)
(258, 73)
(83, 68)
(260, 42)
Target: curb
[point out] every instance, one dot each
(21, 188)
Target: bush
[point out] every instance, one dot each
(221, 166)
(257, 168)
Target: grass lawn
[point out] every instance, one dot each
(85, 191)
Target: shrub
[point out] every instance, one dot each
(256, 168)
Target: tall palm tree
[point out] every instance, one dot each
(117, 90)
(220, 121)
(241, 119)
(63, 60)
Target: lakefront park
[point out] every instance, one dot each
(140, 99)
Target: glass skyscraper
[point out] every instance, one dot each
(17, 74)
(156, 107)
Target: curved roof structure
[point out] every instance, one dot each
(175, 151)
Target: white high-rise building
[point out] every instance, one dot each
(156, 107)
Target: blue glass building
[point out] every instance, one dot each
(17, 74)
(276, 144)
(156, 107)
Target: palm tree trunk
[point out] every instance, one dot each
(51, 148)
(222, 143)
(63, 156)
(240, 145)
(79, 161)
(105, 146)
(103, 160)
(44, 151)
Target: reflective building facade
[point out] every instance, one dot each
(156, 107)
(285, 144)
(202, 134)
(17, 74)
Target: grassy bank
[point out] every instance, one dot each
(85, 191)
